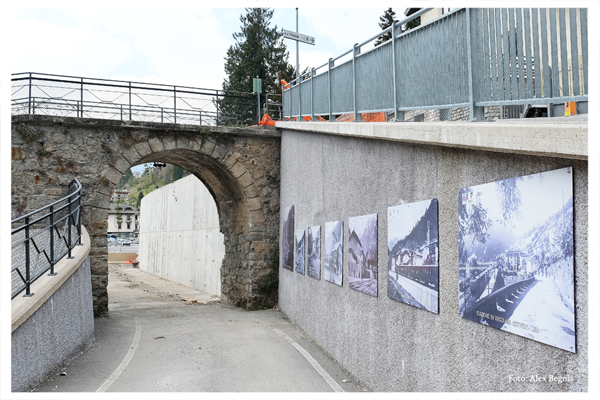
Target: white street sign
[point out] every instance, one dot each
(299, 37)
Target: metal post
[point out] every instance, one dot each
(329, 83)
(174, 104)
(476, 113)
(550, 107)
(27, 272)
(217, 107)
(29, 112)
(355, 52)
(79, 217)
(81, 97)
(33, 105)
(258, 105)
(397, 116)
(69, 226)
(52, 273)
(299, 98)
(297, 51)
(130, 101)
(312, 94)
(200, 117)
(161, 114)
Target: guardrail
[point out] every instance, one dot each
(46, 94)
(43, 237)
(471, 58)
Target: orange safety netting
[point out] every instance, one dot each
(366, 117)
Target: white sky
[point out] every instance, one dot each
(179, 46)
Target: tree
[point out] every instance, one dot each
(259, 52)
(387, 19)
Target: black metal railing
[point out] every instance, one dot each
(43, 237)
(69, 96)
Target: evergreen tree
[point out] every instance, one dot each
(259, 52)
(386, 20)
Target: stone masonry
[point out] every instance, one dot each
(239, 166)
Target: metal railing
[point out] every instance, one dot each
(43, 237)
(471, 58)
(34, 93)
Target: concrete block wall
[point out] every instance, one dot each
(388, 345)
(179, 235)
(56, 333)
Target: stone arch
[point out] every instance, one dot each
(240, 167)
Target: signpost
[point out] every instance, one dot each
(298, 37)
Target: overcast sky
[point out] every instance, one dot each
(179, 46)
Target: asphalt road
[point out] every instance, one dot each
(160, 337)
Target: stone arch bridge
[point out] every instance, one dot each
(239, 166)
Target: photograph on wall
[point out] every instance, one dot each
(413, 254)
(299, 251)
(515, 243)
(333, 252)
(313, 248)
(287, 240)
(362, 254)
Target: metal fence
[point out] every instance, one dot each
(45, 94)
(467, 58)
(42, 238)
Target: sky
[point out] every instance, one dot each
(175, 45)
(178, 46)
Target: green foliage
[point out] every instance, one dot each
(386, 20)
(259, 51)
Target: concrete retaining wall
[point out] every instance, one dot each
(52, 327)
(179, 235)
(391, 346)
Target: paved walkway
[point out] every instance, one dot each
(164, 337)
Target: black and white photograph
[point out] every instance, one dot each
(362, 254)
(313, 248)
(413, 254)
(287, 240)
(334, 252)
(299, 234)
(515, 243)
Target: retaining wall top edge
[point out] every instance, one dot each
(542, 138)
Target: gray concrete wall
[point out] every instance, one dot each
(179, 235)
(388, 345)
(56, 333)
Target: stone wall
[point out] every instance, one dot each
(240, 167)
(448, 114)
